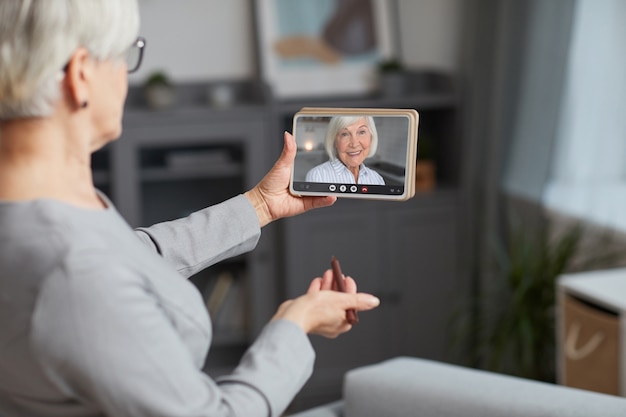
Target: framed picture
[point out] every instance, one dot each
(322, 47)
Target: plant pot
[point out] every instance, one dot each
(160, 97)
(425, 175)
(393, 84)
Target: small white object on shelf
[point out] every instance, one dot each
(187, 160)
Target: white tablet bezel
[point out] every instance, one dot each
(362, 191)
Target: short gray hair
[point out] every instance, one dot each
(339, 122)
(38, 37)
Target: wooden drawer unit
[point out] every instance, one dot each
(590, 347)
(590, 331)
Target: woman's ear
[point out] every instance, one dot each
(78, 75)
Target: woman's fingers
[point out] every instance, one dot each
(365, 302)
(323, 309)
(333, 321)
(315, 285)
(323, 283)
(327, 280)
(350, 285)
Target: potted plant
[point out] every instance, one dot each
(392, 77)
(159, 91)
(513, 326)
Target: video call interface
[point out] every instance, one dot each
(350, 142)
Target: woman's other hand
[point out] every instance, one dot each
(322, 310)
(271, 198)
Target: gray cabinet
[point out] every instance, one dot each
(403, 252)
(423, 265)
(168, 163)
(407, 253)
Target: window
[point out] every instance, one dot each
(588, 169)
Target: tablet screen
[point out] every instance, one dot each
(357, 153)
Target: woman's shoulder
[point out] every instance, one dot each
(59, 238)
(376, 178)
(324, 165)
(321, 173)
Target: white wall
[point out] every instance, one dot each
(430, 33)
(213, 39)
(197, 39)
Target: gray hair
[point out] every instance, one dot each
(339, 122)
(38, 38)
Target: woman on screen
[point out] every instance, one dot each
(349, 141)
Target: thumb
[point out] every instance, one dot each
(289, 150)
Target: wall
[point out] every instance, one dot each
(196, 40)
(430, 33)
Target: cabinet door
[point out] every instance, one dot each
(427, 288)
(349, 231)
(406, 253)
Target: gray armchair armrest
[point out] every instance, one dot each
(406, 387)
(414, 387)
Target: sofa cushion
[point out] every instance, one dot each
(415, 387)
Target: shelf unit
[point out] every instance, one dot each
(407, 253)
(432, 94)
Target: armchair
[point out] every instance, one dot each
(405, 386)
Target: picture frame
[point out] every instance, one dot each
(310, 48)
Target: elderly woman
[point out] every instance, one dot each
(95, 318)
(349, 140)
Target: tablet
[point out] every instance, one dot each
(355, 153)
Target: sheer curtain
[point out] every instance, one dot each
(545, 106)
(530, 142)
(588, 169)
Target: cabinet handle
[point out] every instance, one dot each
(571, 352)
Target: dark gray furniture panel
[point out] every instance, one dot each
(403, 252)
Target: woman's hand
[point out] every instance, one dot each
(322, 310)
(271, 198)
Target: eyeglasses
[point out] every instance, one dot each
(134, 55)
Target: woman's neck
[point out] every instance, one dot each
(42, 159)
(355, 173)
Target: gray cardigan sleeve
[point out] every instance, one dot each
(206, 236)
(101, 338)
